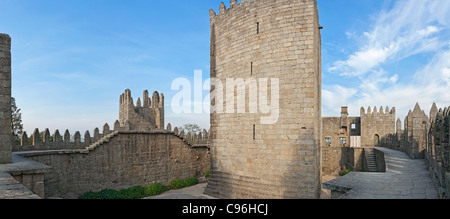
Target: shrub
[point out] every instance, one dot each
(155, 189)
(345, 172)
(182, 183)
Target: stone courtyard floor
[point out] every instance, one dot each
(193, 192)
(405, 178)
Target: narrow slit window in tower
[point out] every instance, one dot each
(254, 132)
(257, 27)
(251, 68)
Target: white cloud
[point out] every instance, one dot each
(446, 75)
(410, 28)
(394, 78)
(361, 62)
(333, 97)
(430, 84)
(349, 34)
(406, 30)
(435, 71)
(428, 31)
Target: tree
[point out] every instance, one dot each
(16, 120)
(190, 127)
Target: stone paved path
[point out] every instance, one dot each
(193, 192)
(405, 178)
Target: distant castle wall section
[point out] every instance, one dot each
(145, 115)
(437, 151)
(58, 141)
(371, 129)
(137, 150)
(427, 138)
(127, 159)
(376, 124)
(337, 133)
(413, 138)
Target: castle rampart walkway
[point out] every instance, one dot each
(405, 178)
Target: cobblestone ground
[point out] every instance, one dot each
(405, 178)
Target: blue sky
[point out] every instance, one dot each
(72, 59)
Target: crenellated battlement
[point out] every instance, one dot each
(379, 111)
(223, 8)
(56, 141)
(46, 142)
(377, 123)
(127, 100)
(147, 114)
(200, 139)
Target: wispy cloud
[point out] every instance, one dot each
(408, 29)
(335, 96)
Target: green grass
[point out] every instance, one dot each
(139, 192)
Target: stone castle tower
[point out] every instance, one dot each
(145, 116)
(267, 39)
(376, 124)
(416, 125)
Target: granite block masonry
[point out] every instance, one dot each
(5, 99)
(272, 39)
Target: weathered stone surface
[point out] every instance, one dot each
(12, 189)
(376, 125)
(5, 99)
(369, 130)
(22, 179)
(407, 181)
(126, 159)
(146, 117)
(256, 40)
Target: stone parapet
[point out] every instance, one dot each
(5, 99)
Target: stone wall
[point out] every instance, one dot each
(146, 115)
(33, 182)
(381, 161)
(126, 159)
(413, 139)
(355, 159)
(416, 125)
(376, 124)
(138, 151)
(269, 39)
(437, 152)
(56, 141)
(334, 156)
(334, 128)
(426, 137)
(5, 99)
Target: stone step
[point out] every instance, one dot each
(371, 160)
(101, 141)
